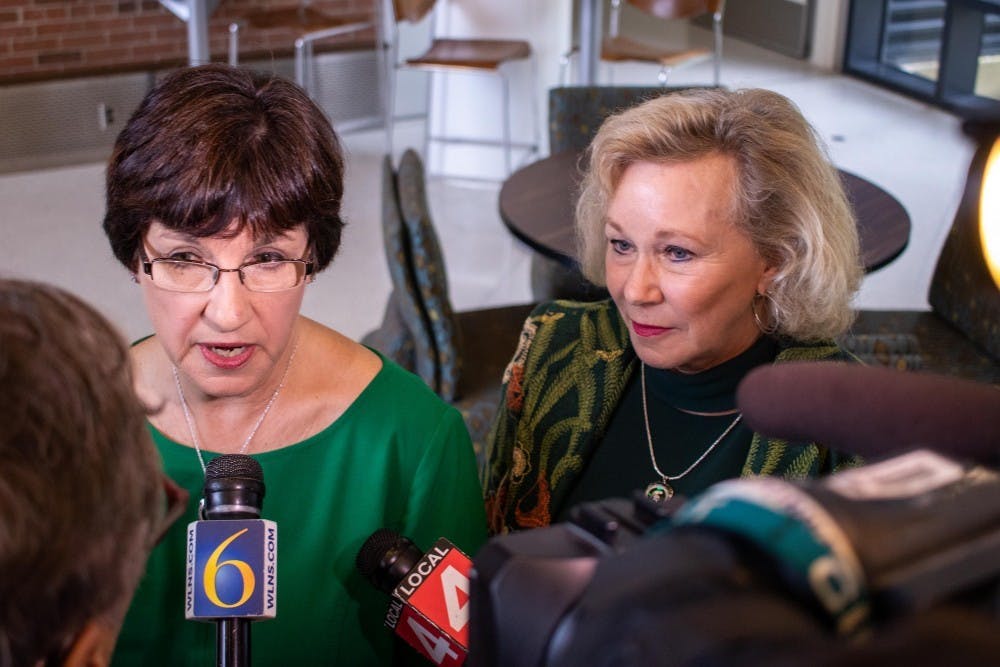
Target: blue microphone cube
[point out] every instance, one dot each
(232, 569)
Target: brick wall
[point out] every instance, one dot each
(46, 39)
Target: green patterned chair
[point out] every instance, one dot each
(403, 335)
(576, 112)
(468, 350)
(960, 335)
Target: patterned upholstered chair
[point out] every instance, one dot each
(404, 334)
(469, 350)
(960, 335)
(576, 112)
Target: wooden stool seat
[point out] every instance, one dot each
(620, 49)
(472, 53)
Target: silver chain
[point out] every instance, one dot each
(193, 428)
(649, 436)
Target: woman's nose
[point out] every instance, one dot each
(642, 284)
(228, 306)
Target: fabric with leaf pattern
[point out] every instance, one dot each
(568, 373)
(429, 273)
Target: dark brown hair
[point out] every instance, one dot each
(80, 479)
(214, 143)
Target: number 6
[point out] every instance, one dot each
(213, 566)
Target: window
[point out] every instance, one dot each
(946, 52)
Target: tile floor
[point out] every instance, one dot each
(50, 219)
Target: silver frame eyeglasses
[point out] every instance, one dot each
(211, 273)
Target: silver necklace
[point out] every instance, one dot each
(193, 428)
(661, 490)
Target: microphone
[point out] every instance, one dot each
(429, 605)
(232, 557)
(872, 411)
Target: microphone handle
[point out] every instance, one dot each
(232, 642)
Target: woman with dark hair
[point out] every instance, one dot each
(223, 201)
(725, 239)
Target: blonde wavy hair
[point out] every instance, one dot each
(789, 199)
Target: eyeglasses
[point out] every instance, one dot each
(181, 275)
(175, 502)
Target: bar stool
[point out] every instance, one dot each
(311, 24)
(466, 55)
(617, 48)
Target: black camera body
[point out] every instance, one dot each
(753, 570)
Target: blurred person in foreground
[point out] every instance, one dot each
(725, 239)
(81, 487)
(223, 201)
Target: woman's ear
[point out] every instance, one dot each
(766, 279)
(92, 646)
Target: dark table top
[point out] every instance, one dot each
(537, 205)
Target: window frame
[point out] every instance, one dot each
(958, 61)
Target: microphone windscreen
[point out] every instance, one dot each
(872, 411)
(385, 558)
(234, 465)
(233, 489)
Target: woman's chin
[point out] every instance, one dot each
(659, 360)
(657, 354)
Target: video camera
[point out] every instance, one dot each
(895, 560)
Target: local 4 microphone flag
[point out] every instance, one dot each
(430, 606)
(232, 569)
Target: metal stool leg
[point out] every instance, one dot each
(536, 136)
(300, 63)
(309, 66)
(234, 44)
(388, 89)
(717, 29)
(506, 121)
(385, 61)
(429, 125)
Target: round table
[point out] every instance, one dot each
(537, 202)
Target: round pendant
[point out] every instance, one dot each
(659, 491)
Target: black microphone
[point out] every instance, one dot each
(232, 557)
(429, 605)
(873, 411)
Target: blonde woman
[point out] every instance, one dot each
(725, 239)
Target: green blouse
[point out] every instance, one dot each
(398, 457)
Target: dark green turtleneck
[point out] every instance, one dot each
(621, 463)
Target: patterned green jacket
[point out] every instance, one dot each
(570, 369)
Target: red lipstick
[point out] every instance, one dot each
(647, 330)
(226, 357)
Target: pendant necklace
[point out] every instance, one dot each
(193, 429)
(661, 490)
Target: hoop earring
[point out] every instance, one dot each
(758, 320)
